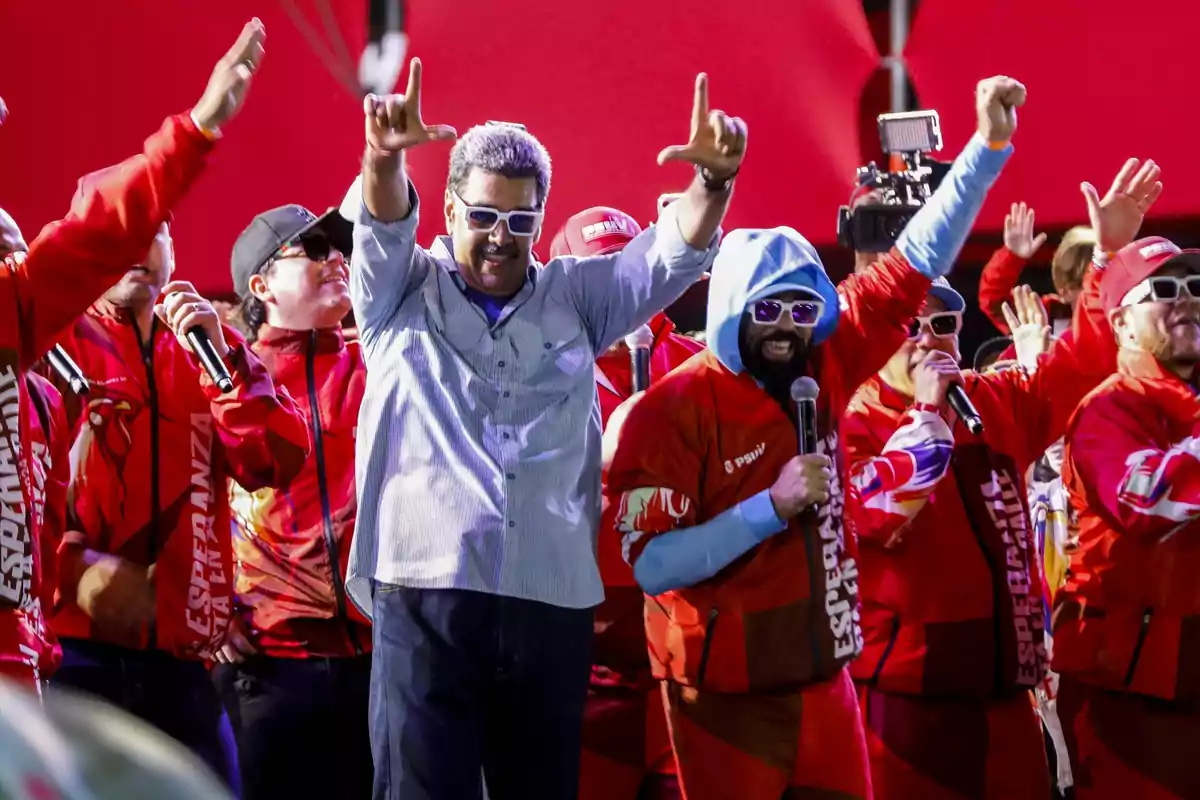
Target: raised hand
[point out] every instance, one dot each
(717, 143)
(1117, 218)
(230, 80)
(394, 121)
(1018, 232)
(1030, 325)
(996, 102)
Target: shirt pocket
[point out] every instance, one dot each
(564, 345)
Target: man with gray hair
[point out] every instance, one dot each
(478, 461)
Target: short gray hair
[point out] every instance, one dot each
(502, 150)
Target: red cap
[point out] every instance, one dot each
(1135, 262)
(594, 232)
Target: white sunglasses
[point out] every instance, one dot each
(484, 219)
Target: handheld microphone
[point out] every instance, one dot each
(639, 343)
(203, 348)
(67, 369)
(965, 409)
(804, 395)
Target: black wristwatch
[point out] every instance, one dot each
(712, 184)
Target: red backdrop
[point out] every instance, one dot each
(1107, 80)
(604, 88)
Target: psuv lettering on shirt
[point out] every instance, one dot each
(16, 551)
(208, 610)
(748, 458)
(840, 569)
(1008, 514)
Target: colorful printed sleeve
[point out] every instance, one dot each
(889, 488)
(263, 433)
(1149, 491)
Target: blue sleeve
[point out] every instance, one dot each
(617, 293)
(687, 556)
(934, 236)
(386, 263)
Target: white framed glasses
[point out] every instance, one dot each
(941, 324)
(805, 313)
(484, 219)
(1163, 289)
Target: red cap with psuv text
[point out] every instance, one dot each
(1135, 262)
(594, 232)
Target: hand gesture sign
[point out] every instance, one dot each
(1030, 325)
(230, 80)
(1117, 218)
(996, 102)
(717, 143)
(394, 122)
(1018, 232)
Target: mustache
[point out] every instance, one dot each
(782, 336)
(492, 251)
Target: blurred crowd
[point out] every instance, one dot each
(456, 521)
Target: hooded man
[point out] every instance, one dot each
(752, 609)
(626, 747)
(1125, 623)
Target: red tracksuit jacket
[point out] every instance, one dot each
(71, 262)
(950, 577)
(292, 542)
(703, 439)
(1129, 616)
(152, 451)
(620, 642)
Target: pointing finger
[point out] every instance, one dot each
(700, 104)
(412, 95)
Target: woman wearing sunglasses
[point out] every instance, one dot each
(952, 613)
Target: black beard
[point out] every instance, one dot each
(776, 377)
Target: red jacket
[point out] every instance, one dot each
(150, 459)
(292, 543)
(704, 439)
(25, 637)
(620, 644)
(71, 262)
(1128, 616)
(951, 581)
(996, 283)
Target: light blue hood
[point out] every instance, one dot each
(754, 263)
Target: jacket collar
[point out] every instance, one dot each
(282, 340)
(1143, 366)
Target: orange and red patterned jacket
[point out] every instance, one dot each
(620, 644)
(111, 224)
(292, 541)
(703, 440)
(950, 574)
(154, 443)
(1129, 615)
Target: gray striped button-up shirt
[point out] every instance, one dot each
(478, 452)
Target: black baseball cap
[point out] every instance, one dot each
(273, 229)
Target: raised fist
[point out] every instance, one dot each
(996, 101)
(803, 481)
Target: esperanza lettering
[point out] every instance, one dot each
(208, 591)
(841, 571)
(16, 550)
(1003, 502)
